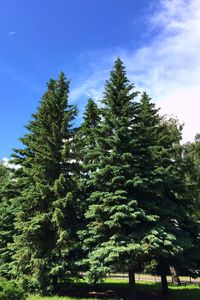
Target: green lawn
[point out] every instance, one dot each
(191, 292)
(147, 291)
(48, 298)
(54, 298)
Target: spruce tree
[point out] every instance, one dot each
(191, 154)
(162, 190)
(114, 217)
(158, 156)
(87, 158)
(188, 263)
(85, 148)
(6, 221)
(4, 174)
(133, 212)
(45, 209)
(86, 139)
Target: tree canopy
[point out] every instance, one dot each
(117, 193)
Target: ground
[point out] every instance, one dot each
(117, 289)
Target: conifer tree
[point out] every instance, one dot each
(192, 171)
(85, 148)
(45, 209)
(86, 138)
(6, 221)
(161, 190)
(3, 174)
(87, 158)
(154, 155)
(114, 218)
(189, 262)
(132, 215)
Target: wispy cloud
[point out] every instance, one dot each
(168, 67)
(8, 164)
(15, 76)
(98, 67)
(91, 88)
(11, 32)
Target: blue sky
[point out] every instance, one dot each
(158, 40)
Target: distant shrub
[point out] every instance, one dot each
(10, 290)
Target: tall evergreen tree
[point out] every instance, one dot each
(162, 189)
(189, 262)
(114, 217)
(86, 138)
(85, 145)
(134, 212)
(158, 181)
(192, 171)
(45, 208)
(179, 219)
(87, 158)
(6, 221)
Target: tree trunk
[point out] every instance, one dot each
(55, 284)
(164, 283)
(175, 278)
(132, 286)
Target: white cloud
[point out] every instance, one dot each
(184, 104)
(8, 164)
(11, 32)
(168, 67)
(98, 66)
(91, 88)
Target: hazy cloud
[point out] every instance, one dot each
(168, 67)
(11, 33)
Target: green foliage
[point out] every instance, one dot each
(192, 171)
(118, 193)
(4, 174)
(87, 156)
(45, 242)
(9, 290)
(114, 217)
(161, 188)
(190, 262)
(8, 190)
(86, 138)
(137, 212)
(85, 148)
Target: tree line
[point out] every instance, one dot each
(118, 193)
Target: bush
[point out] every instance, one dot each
(10, 290)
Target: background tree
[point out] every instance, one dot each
(87, 158)
(45, 209)
(189, 262)
(162, 188)
(86, 138)
(4, 174)
(192, 170)
(156, 182)
(6, 222)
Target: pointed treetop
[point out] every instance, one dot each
(118, 89)
(119, 69)
(91, 115)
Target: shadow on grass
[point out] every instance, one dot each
(145, 291)
(190, 292)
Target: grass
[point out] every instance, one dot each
(48, 298)
(190, 292)
(147, 291)
(54, 298)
